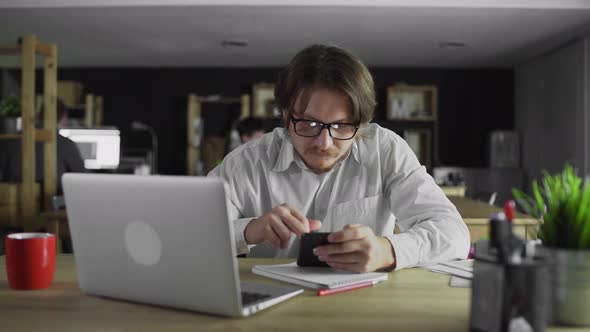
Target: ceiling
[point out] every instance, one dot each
(386, 33)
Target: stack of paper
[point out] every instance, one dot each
(462, 268)
(461, 271)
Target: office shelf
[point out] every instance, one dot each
(21, 206)
(194, 127)
(412, 112)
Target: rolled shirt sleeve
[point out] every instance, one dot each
(431, 229)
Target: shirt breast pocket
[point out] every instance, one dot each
(360, 211)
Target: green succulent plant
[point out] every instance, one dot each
(10, 107)
(562, 203)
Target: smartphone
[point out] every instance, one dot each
(306, 245)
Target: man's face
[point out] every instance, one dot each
(322, 152)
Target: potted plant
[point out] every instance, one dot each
(10, 120)
(562, 204)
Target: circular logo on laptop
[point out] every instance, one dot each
(143, 243)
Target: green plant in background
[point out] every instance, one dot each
(562, 203)
(10, 107)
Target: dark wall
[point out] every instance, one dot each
(471, 104)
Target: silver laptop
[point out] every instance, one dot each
(163, 240)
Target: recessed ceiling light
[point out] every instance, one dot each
(234, 43)
(452, 45)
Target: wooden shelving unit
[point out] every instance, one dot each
(194, 125)
(412, 102)
(412, 111)
(93, 110)
(72, 95)
(24, 201)
(263, 100)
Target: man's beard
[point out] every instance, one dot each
(317, 152)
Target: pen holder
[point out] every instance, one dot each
(505, 293)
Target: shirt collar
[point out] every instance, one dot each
(287, 154)
(356, 152)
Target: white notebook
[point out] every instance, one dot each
(316, 277)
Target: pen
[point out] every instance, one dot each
(330, 291)
(509, 207)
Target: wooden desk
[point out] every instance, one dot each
(454, 190)
(411, 300)
(476, 215)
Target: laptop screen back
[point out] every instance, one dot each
(160, 240)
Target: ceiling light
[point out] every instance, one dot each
(452, 45)
(234, 43)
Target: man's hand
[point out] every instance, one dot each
(356, 248)
(277, 226)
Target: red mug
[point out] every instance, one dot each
(30, 260)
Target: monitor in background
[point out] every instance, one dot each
(100, 148)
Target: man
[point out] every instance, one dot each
(245, 130)
(68, 155)
(330, 170)
(249, 129)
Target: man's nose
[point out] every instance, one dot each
(324, 139)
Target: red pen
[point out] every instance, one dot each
(509, 207)
(330, 291)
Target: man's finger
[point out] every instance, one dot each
(281, 230)
(272, 237)
(350, 233)
(300, 217)
(294, 211)
(353, 226)
(353, 257)
(295, 225)
(338, 248)
(314, 225)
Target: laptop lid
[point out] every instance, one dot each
(162, 240)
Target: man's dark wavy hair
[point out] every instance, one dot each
(328, 67)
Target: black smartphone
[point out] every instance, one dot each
(306, 245)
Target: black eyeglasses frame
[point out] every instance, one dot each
(324, 126)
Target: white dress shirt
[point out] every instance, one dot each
(380, 184)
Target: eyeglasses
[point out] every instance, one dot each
(312, 128)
